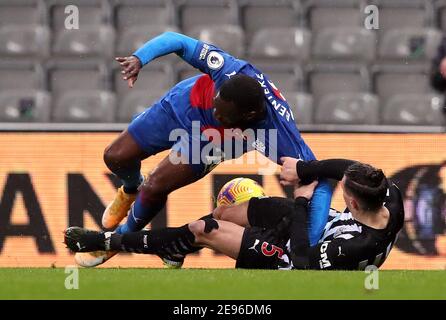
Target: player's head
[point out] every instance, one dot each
(240, 102)
(364, 187)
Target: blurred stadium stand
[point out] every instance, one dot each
(333, 71)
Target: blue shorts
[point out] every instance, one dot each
(154, 132)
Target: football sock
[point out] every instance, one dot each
(139, 216)
(166, 241)
(130, 178)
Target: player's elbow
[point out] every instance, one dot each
(170, 34)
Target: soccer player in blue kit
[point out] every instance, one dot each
(231, 94)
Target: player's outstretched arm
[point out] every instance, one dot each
(294, 170)
(167, 42)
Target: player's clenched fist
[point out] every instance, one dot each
(130, 67)
(288, 175)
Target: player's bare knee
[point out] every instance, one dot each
(202, 229)
(197, 228)
(220, 212)
(113, 157)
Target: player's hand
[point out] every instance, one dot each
(288, 175)
(305, 191)
(130, 67)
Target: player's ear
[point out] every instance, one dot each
(354, 204)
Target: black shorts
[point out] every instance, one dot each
(264, 243)
(267, 212)
(261, 248)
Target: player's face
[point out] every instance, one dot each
(226, 113)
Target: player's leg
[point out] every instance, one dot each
(223, 236)
(237, 214)
(263, 212)
(152, 197)
(146, 135)
(123, 157)
(220, 235)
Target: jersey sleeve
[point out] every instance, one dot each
(309, 171)
(218, 64)
(337, 254)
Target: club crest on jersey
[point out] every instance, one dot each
(276, 91)
(215, 60)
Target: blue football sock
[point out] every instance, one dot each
(139, 216)
(131, 178)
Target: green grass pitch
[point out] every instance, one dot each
(196, 284)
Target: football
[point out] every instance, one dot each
(239, 190)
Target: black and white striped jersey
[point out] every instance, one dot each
(351, 245)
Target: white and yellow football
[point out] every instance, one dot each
(239, 190)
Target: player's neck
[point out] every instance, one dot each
(375, 220)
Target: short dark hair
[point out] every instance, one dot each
(367, 184)
(245, 92)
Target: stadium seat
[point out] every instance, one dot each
(91, 13)
(283, 43)
(327, 14)
(133, 38)
(137, 21)
(390, 81)
(440, 10)
(24, 106)
(410, 43)
(153, 78)
(95, 35)
(153, 81)
(26, 40)
(414, 109)
(348, 108)
(227, 37)
(334, 79)
(286, 80)
(14, 12)
(398, 14)
(85, 106)
(196, 13)
(22, 30)
(130, 14)
(301, 105)
(265, 14)
(65, 76)
(87, 41)
(134, 103)
(344, 43)
(21, 76)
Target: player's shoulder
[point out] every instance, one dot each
(216, 58)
